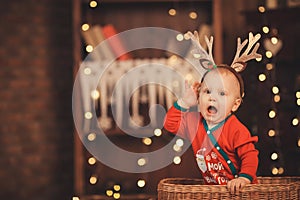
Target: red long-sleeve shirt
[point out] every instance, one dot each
(233, 137)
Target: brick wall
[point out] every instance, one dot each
(36, 146)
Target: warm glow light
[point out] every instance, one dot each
(91, 136)
(93, 4)
(141, 161)
(274, 40)
(93, 180)
(179, 142)
(91, 160)
(275, 90)
(274, 171)
(85, 27)
(277, 98)
(272, 114)
(265, 29)
(258, 59)
(262, 77)
(117, 188)
(89, 48)
(179, 37)
(147, 141)
(271, 133)
(295, 121)
(298, 102)
(87, 71)
(186, 36)
(269, 66)
(274, 156)
(116, 195)
(109, 193)
(177, 160)
(298, 94)
(176, 148)
(75, 198)
(261, 9)
(193, 15)
(157, 132)
(298, 142)
(141, 183)
(172, 12)
(95, 94)
(269, 54)
(280, 170)
(88, 115)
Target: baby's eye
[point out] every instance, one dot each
(222, 93)
(207, 91)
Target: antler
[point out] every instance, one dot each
(239, 62)
(209, 43)
(206, 60)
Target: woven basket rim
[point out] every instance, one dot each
(167, 185)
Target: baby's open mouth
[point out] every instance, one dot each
(212, 110)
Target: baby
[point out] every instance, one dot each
(223, 147)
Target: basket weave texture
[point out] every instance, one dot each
(268, 188)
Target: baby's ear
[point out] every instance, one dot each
(236, 104)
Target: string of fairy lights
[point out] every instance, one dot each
(277, 169)
(272, 46)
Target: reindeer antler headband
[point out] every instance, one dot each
(239, 62)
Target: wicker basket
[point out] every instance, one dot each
(268, 188)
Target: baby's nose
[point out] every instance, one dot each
(212, 97)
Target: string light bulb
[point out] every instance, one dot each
(295, 121)
(276, 98)
(172, 12)
(93, 4)
(271, 133)
(109, 193)
(85, 27)
(274, 40)
(91, 137)
(272, 114)
(147, 141)
(193, 15)
(92, 161)
(261, 9)
(274, 156)
(141, 183)
(157, 132)
(275, 90)
(177, 160)
(269, 66)
(265, 29)
(262, 77)
(269, 54)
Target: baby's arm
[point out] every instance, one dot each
(249, 163)
(174, 118)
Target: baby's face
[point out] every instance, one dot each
(219, 96)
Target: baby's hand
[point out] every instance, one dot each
(191, 94)
(236, 185)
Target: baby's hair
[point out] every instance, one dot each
(230, 69)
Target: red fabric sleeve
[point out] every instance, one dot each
(247, 153)
(183, 124)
